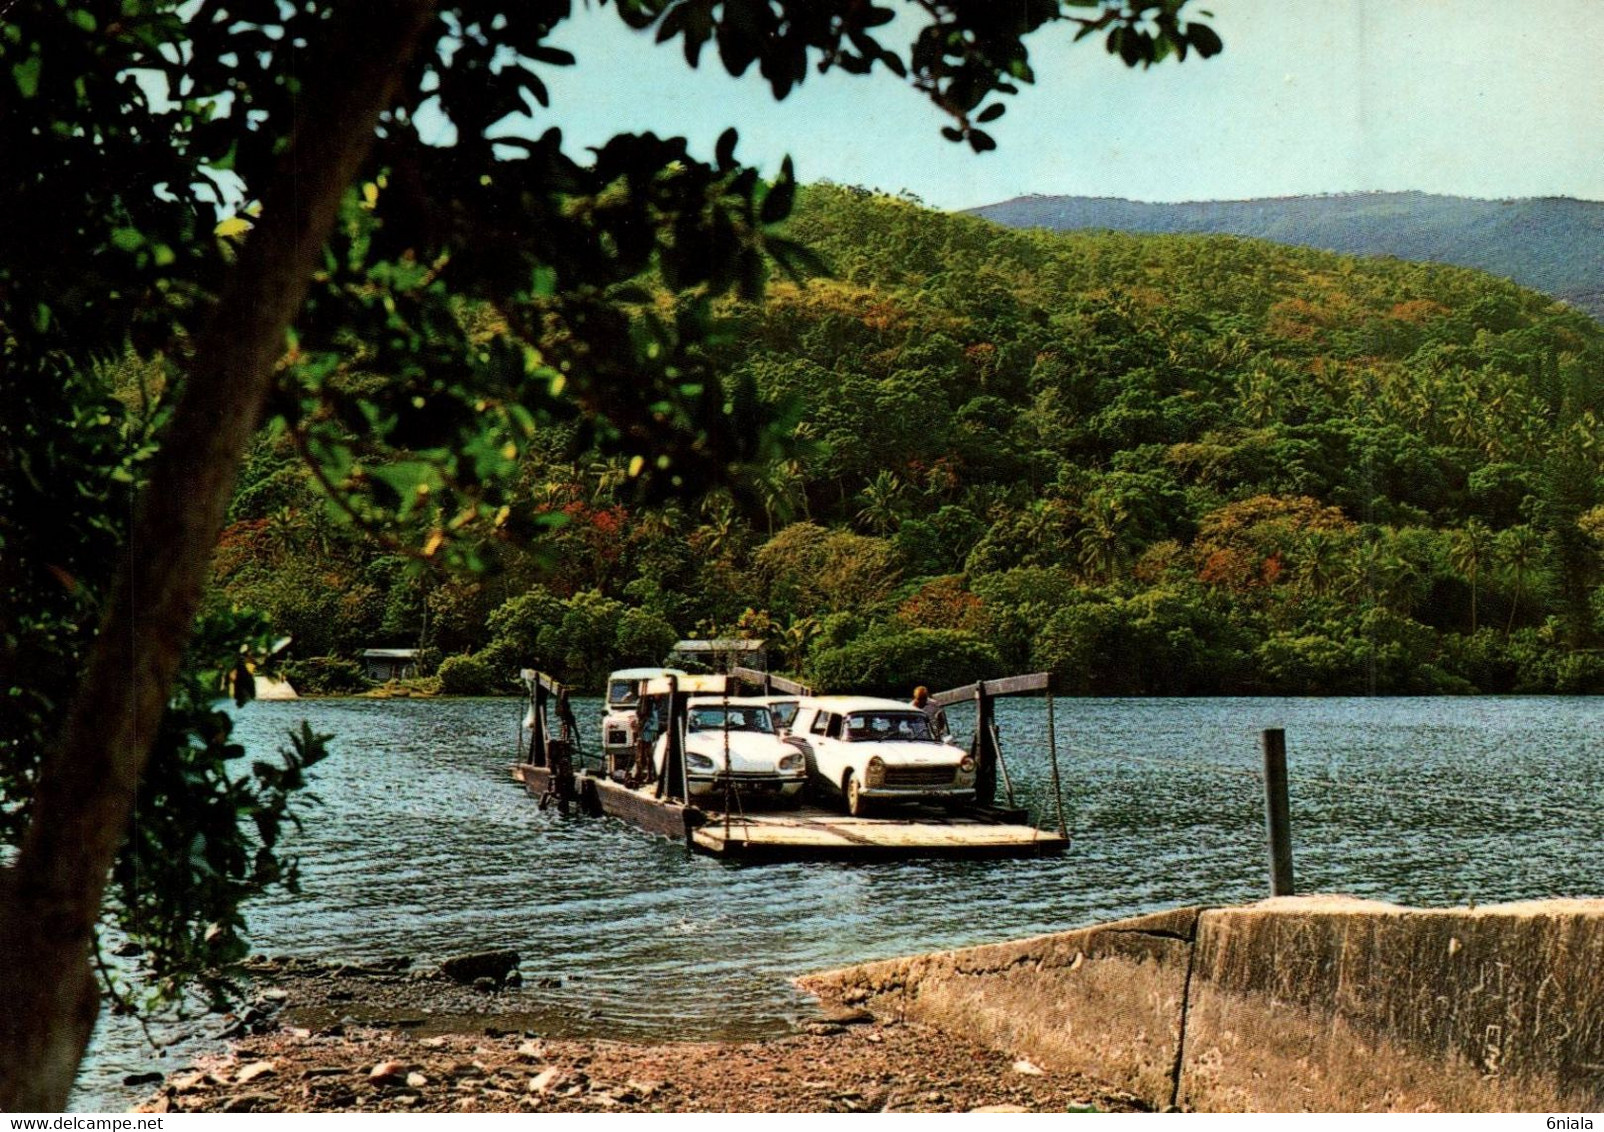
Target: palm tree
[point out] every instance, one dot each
(1520, 550)
(1378, 571)
(1317, 562)
(1399, 577)
(779, 487)
(718, 533)
(1102, 538)
(793, 640)
(1262, 391)
(1467, 554)
(882, 503)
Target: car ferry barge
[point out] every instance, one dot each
(651, 786)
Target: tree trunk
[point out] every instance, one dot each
(85, 797)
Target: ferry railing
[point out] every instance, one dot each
(769, 682)
(554, 753)
(987, 744)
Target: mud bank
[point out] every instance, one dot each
(424, 1043)
(1305, 1003)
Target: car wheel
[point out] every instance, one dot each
(812, 790)
(856, 803)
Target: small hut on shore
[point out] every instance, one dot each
(719, 655)
(390, 664)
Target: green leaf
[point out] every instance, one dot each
(244, 685)
(724, 152)
(777, 204)
(26, 75)
(1204, 40)
(796, 260)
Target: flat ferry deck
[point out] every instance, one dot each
(810, 833)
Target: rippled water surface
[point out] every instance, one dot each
(423, 846)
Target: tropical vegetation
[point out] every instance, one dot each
(415, 285)
(1150, 464)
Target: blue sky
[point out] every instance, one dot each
(1488, 98)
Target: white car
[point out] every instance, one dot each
(871, 750)
(732, 742)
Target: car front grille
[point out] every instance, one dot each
(919, 775)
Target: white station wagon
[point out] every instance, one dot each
(733, 741)
(873, 750)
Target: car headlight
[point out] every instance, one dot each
(874, 774)
(698, 762)
(966, 765)
(792, 762)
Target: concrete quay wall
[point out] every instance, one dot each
(1298, 1003)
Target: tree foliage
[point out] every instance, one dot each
(409, 320)
(1152, 465)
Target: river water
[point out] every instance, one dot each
(423, 846)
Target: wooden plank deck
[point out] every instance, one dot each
(809, 833)
(821, 835)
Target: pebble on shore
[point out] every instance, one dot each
(868, 1067)
(845, 1060)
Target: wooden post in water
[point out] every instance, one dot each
(1277, 811)
(1052, 750)
(672, 784)
(537, 733)
(1002, 763)
(984, 747)
(566, 731)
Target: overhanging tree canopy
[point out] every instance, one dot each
(494, 283)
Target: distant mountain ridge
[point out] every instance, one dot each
(1552, 244)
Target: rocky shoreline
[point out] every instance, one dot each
(380, 1037)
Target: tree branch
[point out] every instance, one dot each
(342, 501)
(88, 782)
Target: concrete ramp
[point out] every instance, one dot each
(1350, 1005)
(1104, 1001)
(1302, 1003)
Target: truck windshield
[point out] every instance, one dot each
(784, 713)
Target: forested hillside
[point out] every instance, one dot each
(1554, 244)
(1151, 464)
